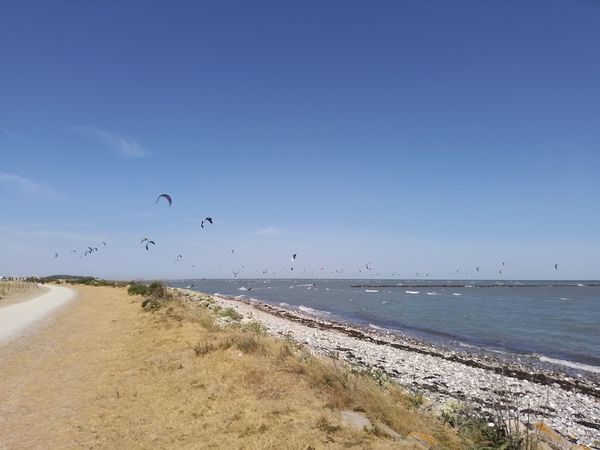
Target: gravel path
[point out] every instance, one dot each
(17, 317)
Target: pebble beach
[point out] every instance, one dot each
(568, 404)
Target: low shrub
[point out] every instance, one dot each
(254, 327)
(231, 313)
(137, 289)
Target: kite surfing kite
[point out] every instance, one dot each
(148, 243)
(165, 196)
(55, 255)
(294, 256)
(208, 219)
(178, 258)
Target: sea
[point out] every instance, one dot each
(556, 322)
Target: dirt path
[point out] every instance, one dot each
(20, 317)
(50, 379)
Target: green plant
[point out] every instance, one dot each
(231, 313)
(254, 327)
(248, 344)
(137, 289)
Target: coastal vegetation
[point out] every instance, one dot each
(273, 369)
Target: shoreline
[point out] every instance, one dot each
(568, 404)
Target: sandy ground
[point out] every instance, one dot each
(28, 308)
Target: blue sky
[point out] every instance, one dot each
(421, 136)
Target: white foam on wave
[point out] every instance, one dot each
(456, 293)
(306, 285)
(412, 292)
(377, 327)
(371, 290)
(240, 296)
(312, 312)
(432, 293)
(571, 364)
(284, 304)
(462, 344)
(242, 289)
(564, 298)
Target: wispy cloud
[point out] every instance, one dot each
(127, 147)
(7, 132)
(269, 231)
(27, 186)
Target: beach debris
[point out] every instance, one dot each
(166, 197)
(208, 219)
(148, 243)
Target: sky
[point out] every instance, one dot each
(418, 136)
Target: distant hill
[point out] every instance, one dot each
(67, 277)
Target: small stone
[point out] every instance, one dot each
(355, 419)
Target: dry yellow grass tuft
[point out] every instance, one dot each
(121, 377)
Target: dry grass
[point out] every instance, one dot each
(121, 377)
(15, 287)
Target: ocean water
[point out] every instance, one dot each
(558, 322)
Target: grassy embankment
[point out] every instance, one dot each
(269, 392)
